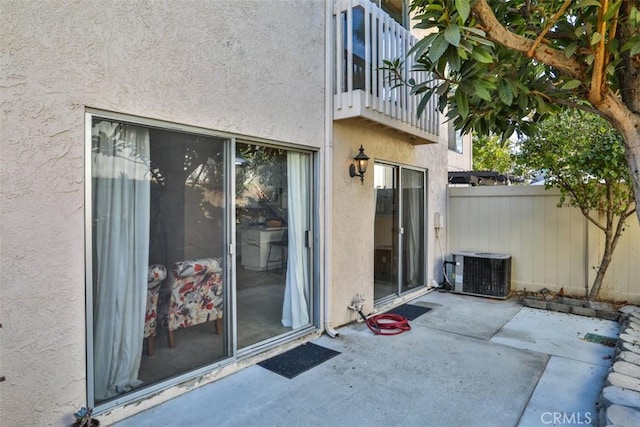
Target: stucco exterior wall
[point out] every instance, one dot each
(462, 161)
(248, 67)
(354, 208)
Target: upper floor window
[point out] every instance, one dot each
(455, 139)
(397, 9)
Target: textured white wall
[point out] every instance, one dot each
(251, 67)
(354, 208)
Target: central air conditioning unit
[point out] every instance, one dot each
(482, 273)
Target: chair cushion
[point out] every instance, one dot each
(196, 267)
(157, 273)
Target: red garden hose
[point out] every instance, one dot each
(387, 323)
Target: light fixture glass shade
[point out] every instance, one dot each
(359, 167)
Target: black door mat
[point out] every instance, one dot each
(292, 363)
(410, 311)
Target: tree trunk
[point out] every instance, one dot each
(602, 269)
(612, 236)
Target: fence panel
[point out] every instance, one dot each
(550, 247)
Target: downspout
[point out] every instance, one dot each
(328, 156)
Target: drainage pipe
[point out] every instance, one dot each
(327, 162)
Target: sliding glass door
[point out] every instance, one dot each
(167, 298)
(399, 230)
(273, 225)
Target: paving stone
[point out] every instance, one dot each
(534, 303)
(622, 416)
(597, 305)
(613, 395)
(634, 317)
(630, 309)
(629, 338)
(630, 347)
(572, 302)
(634, 325)
(607, 315)
(555, 306)
(627, 368)
(634, 333)
(620, 380)
(629, 356)
(583, 311)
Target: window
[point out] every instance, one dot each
(455, 139)
(396, 10)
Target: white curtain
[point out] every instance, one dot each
(295, 309)
(413, 202)
(121, 190)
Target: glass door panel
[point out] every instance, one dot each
(413, 230)
(386, 231)
(272, 226)
(158, 264)
(399, 230)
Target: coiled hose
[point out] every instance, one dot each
(386, 323)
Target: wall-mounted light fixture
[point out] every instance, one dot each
(359, 167)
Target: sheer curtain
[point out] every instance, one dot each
(121, 195)
(413, 202)
(295, 309)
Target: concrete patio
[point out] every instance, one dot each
(468, 362)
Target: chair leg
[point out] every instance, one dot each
(172, 339)
(151, 345)
(219, 326)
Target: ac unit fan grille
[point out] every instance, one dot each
(487, 276)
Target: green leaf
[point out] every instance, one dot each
(437, 48)
(422, 45)
(464, 8)
(422, 104)
(482, 56)
(462, 103)
(570, 50)
(632, 45)
(595, 38)
(612, 10)
(481, 91)
(454, 59)
(571, 84)
(587, 3)
(452, 35)
(504, 92)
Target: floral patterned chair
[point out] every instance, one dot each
(157, 274)
(196, 295)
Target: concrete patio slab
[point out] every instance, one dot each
(466, 315)
(567, 393)
(448, 370)
(558, 334)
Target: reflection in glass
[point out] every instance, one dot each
(385, 231)
(413, 202)
(158, 272)
(272, 222)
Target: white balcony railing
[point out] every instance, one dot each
(365, 36)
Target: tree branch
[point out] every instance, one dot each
(497, 33)
(598, 63)
(550, 24)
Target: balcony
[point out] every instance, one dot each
(365, 36)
